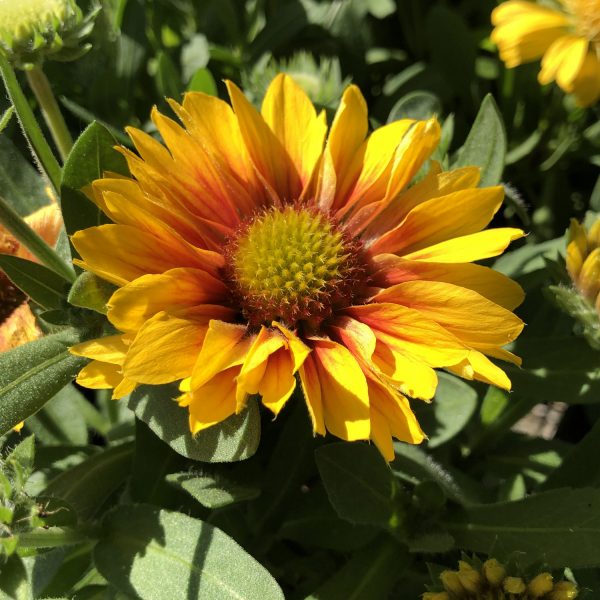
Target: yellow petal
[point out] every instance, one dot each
(291, 116)
(111, 349)
(440, 219)
(176, 289)
(99, 375)
(225, 346)
(278, 382)
(563, 61)
(435, 184)
(473, 319)
(411, 333)
(525, 30)
(467, 248)
(212, 402)
(586, 85)
(164, 350)
(489, 283)
(344, 391)
(311, 387)
(120, 253)
(267, 152)
(479, 367)
(348, 131)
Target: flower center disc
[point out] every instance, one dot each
(293, 265)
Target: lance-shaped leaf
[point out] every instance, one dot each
(33, 373)
(485, 145)
(234, 439)
(42, 285)
(155, 554)
(92, 155)
(560, 528)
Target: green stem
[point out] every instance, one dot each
(33, 242)
(58, 128)
(39, 146)
(52, 537)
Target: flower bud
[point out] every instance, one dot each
(494, 572)
(514, 585)
(563, 590)
(540, 585)
(451, 582)
(469, 578)
(31, 30)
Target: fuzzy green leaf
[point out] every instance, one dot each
(92, 155)
(42, 285)
(91, 291)
(485, 146)
(156, 554)
(234, 439)
(33, 373)
(359, 484)
(560, 528)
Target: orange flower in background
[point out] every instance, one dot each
(17, 322)
(567, 39)
(255, 252)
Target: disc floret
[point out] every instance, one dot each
(293, 265)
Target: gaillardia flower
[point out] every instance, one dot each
(260, 251)
(566, 38)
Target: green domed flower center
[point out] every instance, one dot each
(22, 18)
(293, 265)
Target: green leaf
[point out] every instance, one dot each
(194, 56)
(92, 155)
(60, 420)
(212, 491)
(580, 466)
(234, 439)
(13, 580)
(369, 575)
(33, 373)
(23, 455)
(454, 405)
(87, 485)
(21, 184)
(556, 369)
(413, 465)
(42, 285)
(312, 522)
(156, 554)
(203, 81)
(6, 117)
(91, 291)
(493, 405)
(283, 477)
(415, 105)
(560, 528)
(485, 146)
(358, 482)
(168, 81)
(453, 49)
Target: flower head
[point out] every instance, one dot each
(33, 29)
(581, 299)
(489, 581)
(567, 39)
(259, 252)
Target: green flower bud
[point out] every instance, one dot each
(31, 30)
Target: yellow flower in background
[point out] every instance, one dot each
(583, 261)
(258, 251)
(566, 38)
(17, 322)
(489, 581)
